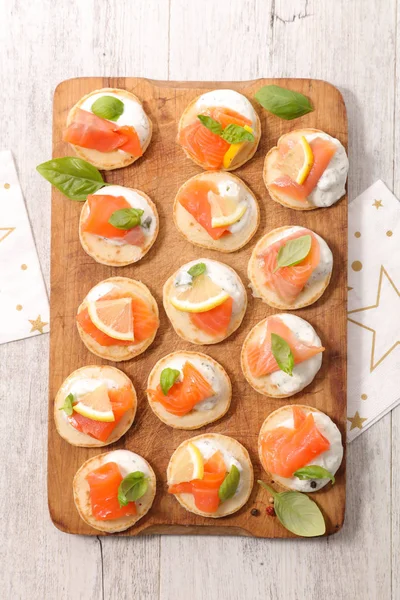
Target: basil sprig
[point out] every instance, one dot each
(132, 488)
(74, 177)
(282, 102)
(68, 406)
(167, 379)
(282, 354)
(314, 472)
(230, 484)
(197, 270)
(297, 512)
(126, 218)
(233, 134)
(293, 252)
(108, 107)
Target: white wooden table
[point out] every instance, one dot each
(351, 43)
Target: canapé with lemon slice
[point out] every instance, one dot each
(205, 301)
(118, 319)
(216, 210)
(306, 170)
(210, 475)
(95, 406)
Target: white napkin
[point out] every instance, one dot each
(373, 308)
(24, 306)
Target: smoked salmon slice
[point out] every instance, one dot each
(121, 401)
(323, 151)
(205, 491)
(90, 131)
(183, 396)
(145, 322)
(104, 483)
(207, 147)
(101, 207)
(215, 321)
(288, 282)
(194, 198)
(259, 355)
(285, 450)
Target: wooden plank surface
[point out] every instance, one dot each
(73, 274)
(350, 43)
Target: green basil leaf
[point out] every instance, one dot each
(282, 354)
(132, 488)
(297, 512)
(167, 379)
(314, 472)
(74, 177)
(293, 252)
(234, 134)
(108, 107)
(283, 103)
(211, 124)
(197, 270)
(126, 218)
(230, 484)
(67, 407)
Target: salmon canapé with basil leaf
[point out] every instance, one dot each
(281, 355)
(118, 319)
(95, 406)
(188, 390)
(219, 130)
(109, 128)
(114, 490)
(118, 225)
(290, 267)
(210, 475)
(306, 170)
(300, 447)
(205, 301)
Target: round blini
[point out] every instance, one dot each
(313, 289)
(223, 99)
(84, 378)
(234, 453)
(212, 408)
(128, 462)
(116, 253)
(241, 232)
(330, 187)
(223, 276)
(131, 286)
(331, 459)
(279, 384)
(133, 115)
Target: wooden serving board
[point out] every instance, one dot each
(160, 173)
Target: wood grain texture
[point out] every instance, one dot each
(350, 43)
(74, 273)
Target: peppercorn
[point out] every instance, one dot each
(313, 484)
(255, 512)
(270, 511)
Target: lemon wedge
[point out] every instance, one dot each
(234, 150)
(189, 465)
(308, 161)
(96, 405)
(225, 210)
(203, 295)
(113, 317)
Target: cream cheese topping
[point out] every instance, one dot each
(227, 99)
(128, 462)
(332, 184)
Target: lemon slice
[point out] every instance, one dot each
(234, 150)
(96, 405)
(189, 465)
(308, 161)
(225, 210)
(113, 317)
(202, 295)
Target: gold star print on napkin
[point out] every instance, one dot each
(24, 307)
(373, 307)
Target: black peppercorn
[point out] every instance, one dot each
(255, 512)
(313, 484)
